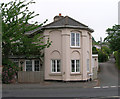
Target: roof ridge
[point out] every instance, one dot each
(54, 21)
(77, 21)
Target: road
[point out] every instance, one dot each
(108, 87)
(109, 73)
(63, 92)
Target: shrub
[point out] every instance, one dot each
(102, 56)
(9, 71)
(94, 50)
(106, 50)
(117, 58)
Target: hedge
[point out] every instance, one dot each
(117, 58)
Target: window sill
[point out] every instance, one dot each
(75, 47)
(55, 74)
(75, 74)
(32, 71)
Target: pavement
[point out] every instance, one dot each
(52, 84)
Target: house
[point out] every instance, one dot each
(69, 58)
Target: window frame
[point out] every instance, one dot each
(33, 65)
(75, 40)
(75, 65)
(55, 65)
(26, 65)
(88, 65)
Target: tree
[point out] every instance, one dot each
(113, 37)
(106, 50)
(15, 24)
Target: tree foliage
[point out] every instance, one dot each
(15, 24)
(113, 37)
(102, 56)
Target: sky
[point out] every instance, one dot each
(97, 14)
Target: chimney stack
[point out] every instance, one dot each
(58, 17)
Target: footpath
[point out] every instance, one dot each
(51, 84)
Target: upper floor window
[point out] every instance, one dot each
(75, 39)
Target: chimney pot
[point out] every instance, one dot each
(59, 14)
(58, 17)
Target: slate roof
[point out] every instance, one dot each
(67, 22)
(63, 22)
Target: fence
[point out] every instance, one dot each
(30, 77)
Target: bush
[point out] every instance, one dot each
(106, 50)
(9, 71)
(102, 56)
(117, 58)
(94, 50)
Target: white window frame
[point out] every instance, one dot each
(55, 66)
(75, 40)
(33, 65)
(25, 64)
(75, 66)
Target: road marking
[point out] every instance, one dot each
(113, 86)
(97, 87)
(105, 87)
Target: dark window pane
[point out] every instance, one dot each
(58, 65)
(53, 66)
(37, 65)
(29, 65)
(77, 66)
(77, 39)
(72, 39)
(73, 65)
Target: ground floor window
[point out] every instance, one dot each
(75, 66)
(32, 65)
(55, 66)
(88, 65)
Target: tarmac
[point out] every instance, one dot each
(51, 84)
